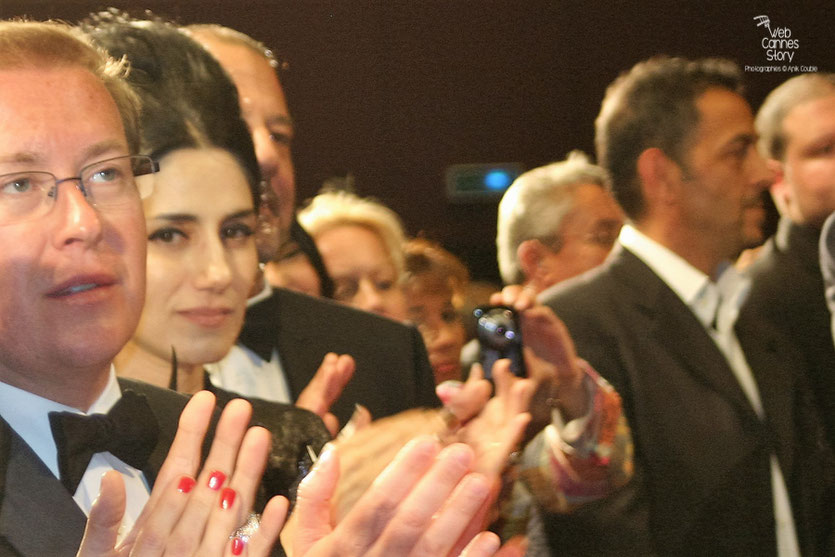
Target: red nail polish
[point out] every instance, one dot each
(237, 546)
(227, 497)
(216, 480)
(185, 485)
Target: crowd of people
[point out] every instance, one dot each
(189, 365)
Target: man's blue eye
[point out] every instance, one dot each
(17, 185)
(106, 175)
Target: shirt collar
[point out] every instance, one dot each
(28, 415)
(692, 286)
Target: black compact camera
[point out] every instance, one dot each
(500, 336)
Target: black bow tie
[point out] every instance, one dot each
(129, 432)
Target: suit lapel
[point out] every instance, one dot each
(167, 406)
(296, 350)
(768, 360)
(266, 327)
(258, 332)
(30, 494)
(677, 330)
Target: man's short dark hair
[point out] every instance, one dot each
(654, 105)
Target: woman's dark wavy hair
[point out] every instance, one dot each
(188, 101)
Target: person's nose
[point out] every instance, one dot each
(80, 223)
(213, 269)
(266, 153)
(369, 298)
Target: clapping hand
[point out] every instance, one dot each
(188, 516)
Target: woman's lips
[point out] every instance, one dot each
(207, 317)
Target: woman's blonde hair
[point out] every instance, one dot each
(339, 208)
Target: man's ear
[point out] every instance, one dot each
(659, 177)
(779, 189)
(530, 254)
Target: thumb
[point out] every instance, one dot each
(102, 529)
(313, 502)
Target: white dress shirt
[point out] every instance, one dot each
(28, 415)
(244, 372)
(717, 305)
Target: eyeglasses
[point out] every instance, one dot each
(107, 184)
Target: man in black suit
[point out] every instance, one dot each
(392, 369)
(796, 124)
(727, 451)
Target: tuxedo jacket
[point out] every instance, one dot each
(392, 372)
(29, 493)
(38, 516)
(788, 291)
(702, 481)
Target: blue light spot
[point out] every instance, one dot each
(497, 180)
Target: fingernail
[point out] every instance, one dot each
(185, 484)
(351, 426)
(216, 480)
(227, 497)
(326, 455)
(448, 389)
(237, 546)
(324, 458)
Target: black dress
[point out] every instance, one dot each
(293, 430)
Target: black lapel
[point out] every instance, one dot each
(678, 330)
(31, 495)
(260, 324)
(297, 350)
(167, 406)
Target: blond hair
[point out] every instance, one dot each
(340, 208)
(34, 44)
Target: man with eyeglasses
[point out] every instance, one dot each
(72, 285)
(555, 222)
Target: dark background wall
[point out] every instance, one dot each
(393, 91)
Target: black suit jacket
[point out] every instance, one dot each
(393, 371)
(38, 516)
(702, 483)
(29, 492)
(788, 291)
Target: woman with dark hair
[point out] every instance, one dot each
(201, 222)
(201, 265)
